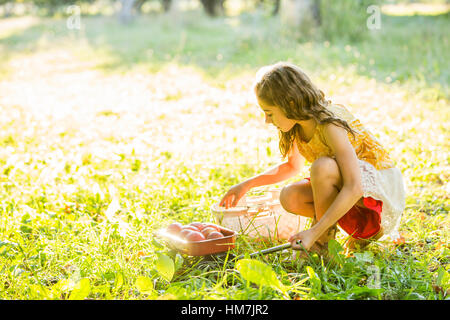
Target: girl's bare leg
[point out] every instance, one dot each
(326, 182)
(312, 199)
(297, 198)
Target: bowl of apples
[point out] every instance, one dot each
(198, 238)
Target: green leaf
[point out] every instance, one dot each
(62, 286)
(165, 266)
(81, 290)
(103, 291)
(26, 229)
(144, 285)
(334, 248)
(414, 296)
(314, 279)
(25, 218)
(39, 292)
(7, 243)
(363, 292)
(178, 261)
(118, 281)
(259, 273)
(443, 278)
(157, 244)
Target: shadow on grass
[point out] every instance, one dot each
(406, 48)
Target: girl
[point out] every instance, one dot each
(353, 182)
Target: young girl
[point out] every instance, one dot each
(352, 182)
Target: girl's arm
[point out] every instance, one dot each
(350, 193)
(281, 172)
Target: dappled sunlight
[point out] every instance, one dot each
(71, 113)
(69, 108)
(9, 26)
(408, 9)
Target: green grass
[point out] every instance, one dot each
(159, 121)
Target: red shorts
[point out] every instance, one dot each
(360, 222)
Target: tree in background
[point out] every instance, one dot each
(300, 17)
(126, 11)
(276, 7)
(49, 7)
(273, 4)
(8, 7)
(165, 4)
(329, 19)
(213, 7)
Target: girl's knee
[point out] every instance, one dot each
(325, 168)
(294, 196)
(286, 195)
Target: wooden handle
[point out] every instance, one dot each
(268, 250)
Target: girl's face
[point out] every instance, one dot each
(276, 116)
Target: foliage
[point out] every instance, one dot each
(259, 273)
(346, 20)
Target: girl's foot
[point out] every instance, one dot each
(320, 247)
(353, 243)
(328, 235)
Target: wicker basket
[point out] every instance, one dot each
(260, 217)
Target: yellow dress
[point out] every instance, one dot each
(381, 180)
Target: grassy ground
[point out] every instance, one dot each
(109, 133)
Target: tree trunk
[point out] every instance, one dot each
(316, 12)
(166, 5)
(276, 8)
(126, 12)
(9, 7)
(138, 5)
(303, 14)
(174, 14)
(213, 7)
(173, 8)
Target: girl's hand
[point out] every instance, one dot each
(236, 192)
(307, 238)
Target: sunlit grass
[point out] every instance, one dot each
(410, 9)
(10, 26)
(111, 132)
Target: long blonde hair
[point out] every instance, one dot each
(286, 86)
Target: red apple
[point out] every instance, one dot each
(215, 235)
(185, 232)
(206, 231)
(206, 225)
(190, 228)
(197, 225)
(195, 236)
(174, 228)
